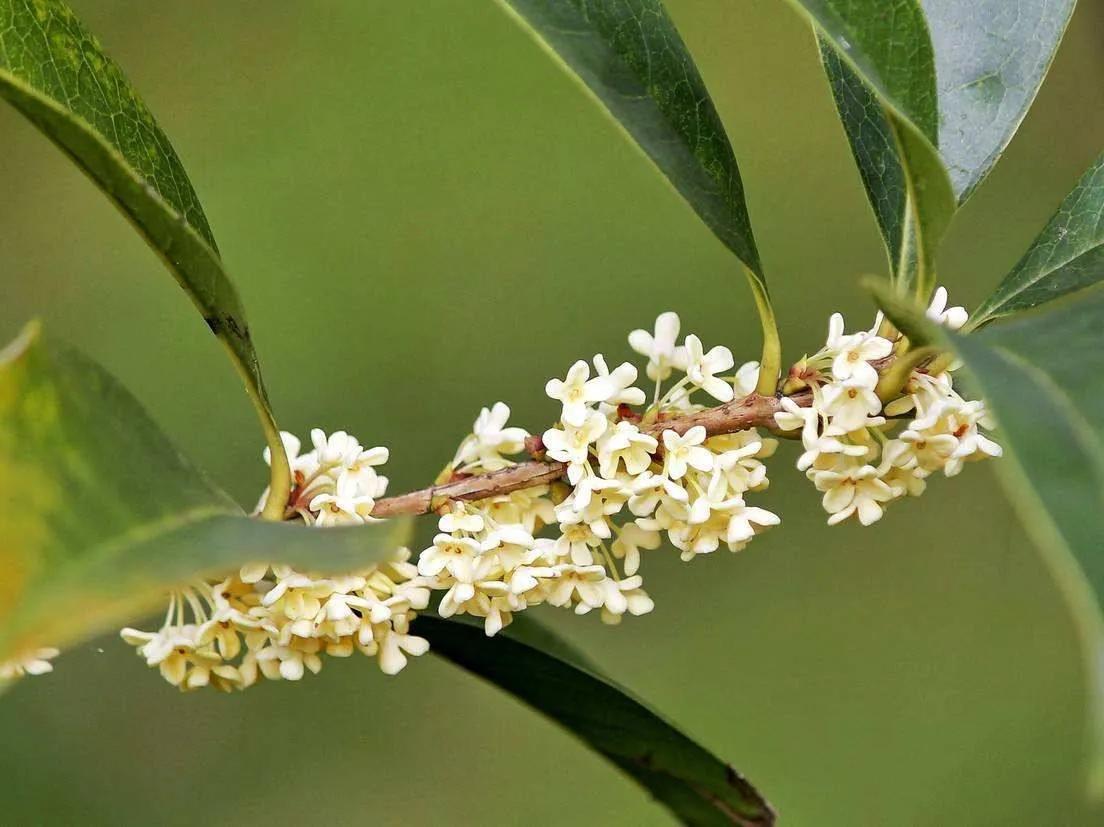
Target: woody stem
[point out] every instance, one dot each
(739, 415)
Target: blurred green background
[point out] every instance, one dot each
(424, 216)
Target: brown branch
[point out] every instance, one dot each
(738, 415)
(514, 478)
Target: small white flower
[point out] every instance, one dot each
(291, 662)
(742, 469)
(647, 491)
(837, 339)
(361, 466)
(630, 539)
(580, 583)
(856, 491)
(490, 439)
(460, 519)
(577, 391)
(572, 445)
(457, 555)
(347, 505)
(621, 380)
(744, 522)
(623, 596)
(393, 645)
(938, 312)
(334, 449)
(576, 541)
(852, 362)
(683, 451)
(747, 379)
(850, 405)
(928, 451)
(660, 347)
(702, 368)
(625, 444)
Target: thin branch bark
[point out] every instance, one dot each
(738, 415)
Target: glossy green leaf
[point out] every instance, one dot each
(1068, 255)
(990, 58)
(543, 672)
(628, 55)
(1043, 377)
(880, 65)
(909, 76)
(100, 515)
(54, 72)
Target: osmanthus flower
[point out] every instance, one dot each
(625, 445)
(686, 451)
(659, 347)
(346, 504)
(850, 451)
(572, 444)
(702, 368)
(631, 484)
(854, 355)
(450, 553)
(621, 380)
(951, 317)
(850, 405)
(631, 538)
(337, 448)
(578, 391)
(649, 489)
(289, 619)
(857, 491)
(746, 380)
(739, 457)
(529, 507)
(460, 518)
(490, 440)
(176, 651)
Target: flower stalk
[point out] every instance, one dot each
(770, 363)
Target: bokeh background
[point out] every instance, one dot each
(424, 216)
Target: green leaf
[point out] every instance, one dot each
(1068, 255)
(909, 76)
(54, 72)
(628, 55)
(543, 672)
(881, 68)
(101, 516)
(1043, 377)
(990, 58)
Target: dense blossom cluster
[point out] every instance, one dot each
(626, 492)
(849, 455)
(632, 483)
(276, 622)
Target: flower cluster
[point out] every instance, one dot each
(638, 471)
(628, 489)
(849, 455)
(334, 484)
(275, 622)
